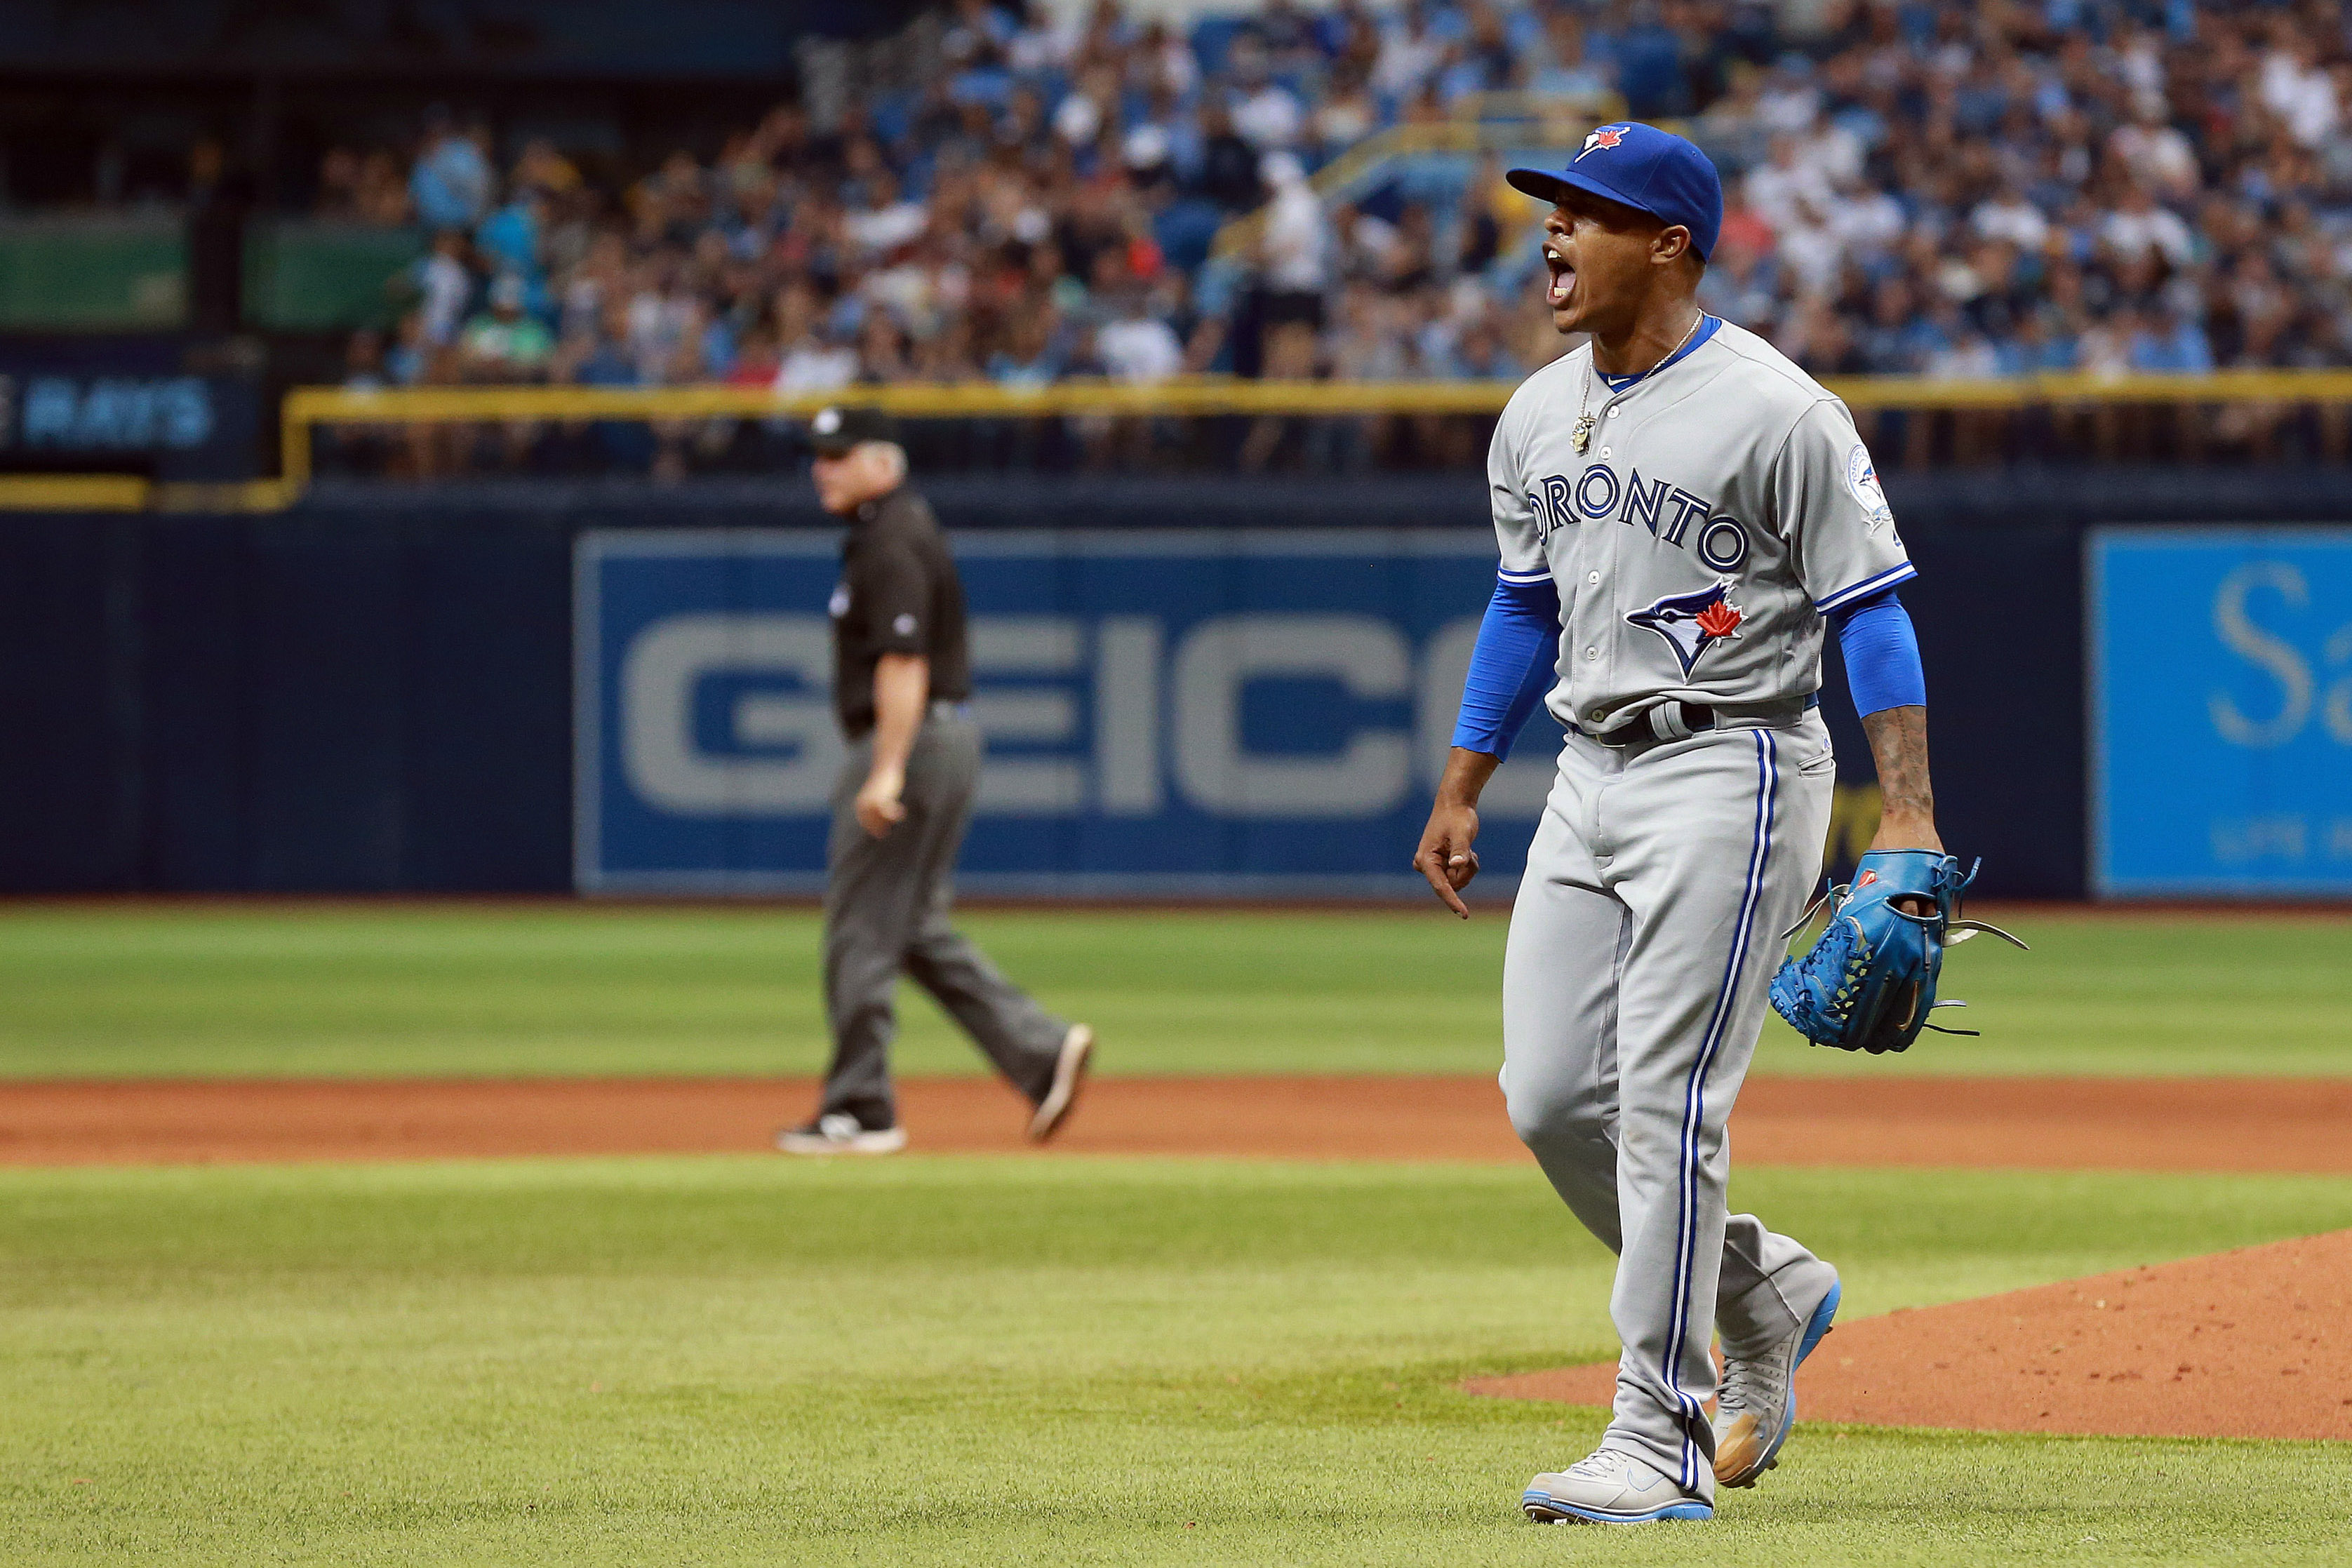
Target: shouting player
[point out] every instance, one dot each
(1683, 515)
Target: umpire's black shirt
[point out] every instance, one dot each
(898, 594)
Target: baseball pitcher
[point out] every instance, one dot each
(1683, 516)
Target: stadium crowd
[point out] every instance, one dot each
(1949, 188)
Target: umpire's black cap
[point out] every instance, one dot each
(835, 430)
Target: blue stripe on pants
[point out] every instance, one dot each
(1695, 1091)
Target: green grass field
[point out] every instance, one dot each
(939, 1360)
(407, 990)
(947, 1360)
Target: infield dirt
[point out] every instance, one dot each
(2052, 1123)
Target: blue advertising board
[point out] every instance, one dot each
(155, 405)
(2220, 727)
(1171, 713)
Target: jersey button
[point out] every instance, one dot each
(1593, 578)
(1592, 652)
(1612, 413)
(1604, 452)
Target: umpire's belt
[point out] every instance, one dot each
(1676, 720)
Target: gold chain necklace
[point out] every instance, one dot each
(1580, 436)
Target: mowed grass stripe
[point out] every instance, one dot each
(562, 990)
(732, 1361)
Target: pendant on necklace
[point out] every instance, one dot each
(1582, 437)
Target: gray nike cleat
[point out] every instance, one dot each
(1069, 1075)
(1609, 1488)
(1757, 1405)
(840, 1133)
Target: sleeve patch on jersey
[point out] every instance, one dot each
(1862, 478)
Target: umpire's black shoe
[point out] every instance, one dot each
(1069, 1076)
(840, 1133)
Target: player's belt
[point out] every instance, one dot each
(1676, 720)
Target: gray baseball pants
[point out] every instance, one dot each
(1645, 937)
(886, 911)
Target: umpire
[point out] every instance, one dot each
(901, 678)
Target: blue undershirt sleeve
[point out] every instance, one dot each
(1882, 653)
(1511, 666)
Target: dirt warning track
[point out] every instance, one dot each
(2222, 1124)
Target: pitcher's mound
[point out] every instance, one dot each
(2250, 1344)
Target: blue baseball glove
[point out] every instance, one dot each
(1869, 982)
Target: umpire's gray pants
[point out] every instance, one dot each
(1645, 937)
(885, 910)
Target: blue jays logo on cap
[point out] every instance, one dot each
(1642, 167)
(1607, 136)
(1693, 623)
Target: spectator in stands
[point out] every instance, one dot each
(504, 343)
(339, 186)
(2139, 228)
(1409, 54)
(445, 282)
(2164, 342)
(450, 181)
(363, 362)
(1265, 114)
(1347, 114)
(1740, 284)
(381, 197)
(1229, 172)
(410, 362)
(596, 352)
(815, 357)
(1031, 355)
(1295, 246)
(509, 239)
(1135, 345)
(1559, 67)
(2296, 87)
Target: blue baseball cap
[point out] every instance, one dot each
(1642, 167)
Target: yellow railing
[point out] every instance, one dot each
(74, 493)
(306, 407)
(2086, 390)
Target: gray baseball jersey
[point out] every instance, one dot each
(1724, 502)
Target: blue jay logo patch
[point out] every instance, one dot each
(1862, 478)
(1693, 623)
(1606, 138)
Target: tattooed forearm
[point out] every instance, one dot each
(1898, 743)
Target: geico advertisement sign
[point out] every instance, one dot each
(776, 749)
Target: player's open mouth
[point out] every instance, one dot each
(1563, 278)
